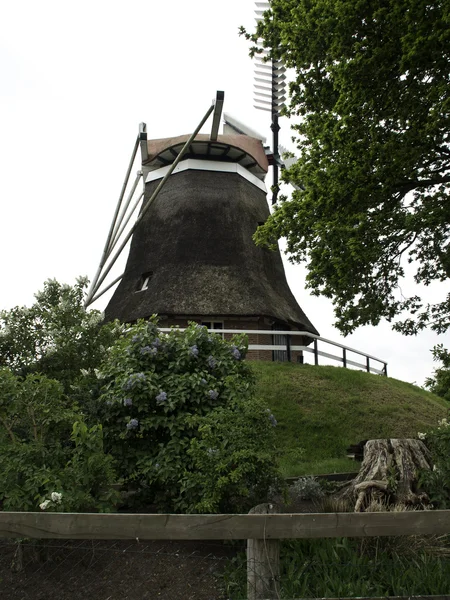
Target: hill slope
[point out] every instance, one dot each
(323, 410)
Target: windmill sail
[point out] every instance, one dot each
(270, 86)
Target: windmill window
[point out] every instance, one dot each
(144, 281)
(213, 325)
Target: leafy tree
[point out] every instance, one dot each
(180, 418)
(56, 336)
(439, 383)
(371, 103)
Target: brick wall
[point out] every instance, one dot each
(250, 324)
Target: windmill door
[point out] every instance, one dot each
(281, 340)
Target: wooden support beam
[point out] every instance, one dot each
(263, 562)
(221, 527)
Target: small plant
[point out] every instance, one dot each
(306, 488)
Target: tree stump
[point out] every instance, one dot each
(389, 472)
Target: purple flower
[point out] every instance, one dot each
(203, 381)
(161, 398)
(193, 350)
(132, 380)
(272, 419)
(156, 343)
(148, 350)
(132, 424)
(236, 353)
(136, 338)
(128, 402)
(211, 362)
(213, 394)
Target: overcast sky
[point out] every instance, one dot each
(76, 80)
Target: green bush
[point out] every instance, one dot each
(437, 482)
(48, 455)
(180, 418)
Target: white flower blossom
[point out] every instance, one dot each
(44, 504)
(443, 423)
(56, 497)
(422, 436)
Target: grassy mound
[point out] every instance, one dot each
(322, 410)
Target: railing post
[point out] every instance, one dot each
(288, 347)
(316, 354)
(344, 357)
(368, 364)
(263, 563)
(385, 369)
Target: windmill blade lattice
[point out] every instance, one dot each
(270, 78)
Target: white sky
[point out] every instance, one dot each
(76, 79)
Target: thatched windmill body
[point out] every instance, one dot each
(192, 257)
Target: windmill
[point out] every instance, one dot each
(192, 256)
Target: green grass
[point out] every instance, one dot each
(322, 410)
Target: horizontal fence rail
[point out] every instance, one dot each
(289, 347)
(221, 527)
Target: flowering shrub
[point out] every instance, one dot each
(49, 458)
(165, 397)
(437, 482)
(306, 488)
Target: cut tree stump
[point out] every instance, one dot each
(389, 472)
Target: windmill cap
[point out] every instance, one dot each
(242, 149)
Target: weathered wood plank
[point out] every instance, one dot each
(221, 527)
(263, 562)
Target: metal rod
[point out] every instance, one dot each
(316, 355)
(108, 239)
(220, 96)
(97, 296)
(155, 193)
(123, 212)
(368, 364)
(276, 157)
(344, 357)
(119, 235)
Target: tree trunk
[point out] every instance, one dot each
(389, 473)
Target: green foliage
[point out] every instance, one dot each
(345, 567)
(437, 482)
(439, 383)
(56, 337)
(179, 417)
(370, 99)
(324, 410)
(232, 456)
(47, 449)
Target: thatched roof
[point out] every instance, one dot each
(196, 240)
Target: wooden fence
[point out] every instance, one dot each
(262, 528)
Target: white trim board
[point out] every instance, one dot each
(208, 165)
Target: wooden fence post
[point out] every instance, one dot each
(263, 563)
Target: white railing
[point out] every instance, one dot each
(289, 347)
